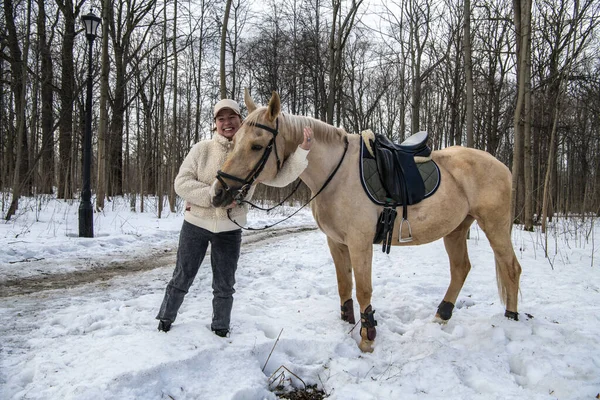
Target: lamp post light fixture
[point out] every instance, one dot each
(86, 212)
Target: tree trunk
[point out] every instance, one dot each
(333, 62)
(67, 100)
(103, 120)
(115, 143)
(47, 120)
(161, 133)
(468, 72)
(175, 130)
(223, 85)
(4, 135)
(141, 156)
(522, 18)
(18, 84)
(198, 79)
(527, 165)
(549, 171)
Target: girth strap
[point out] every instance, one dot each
(385, 228)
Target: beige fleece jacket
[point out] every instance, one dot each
(198, 172)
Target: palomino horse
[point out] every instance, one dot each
(474, 186)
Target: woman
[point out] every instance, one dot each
(204, 224)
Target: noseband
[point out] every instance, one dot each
(260, 165)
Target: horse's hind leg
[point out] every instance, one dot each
(508, 269)
(343, 270)
(456, 247)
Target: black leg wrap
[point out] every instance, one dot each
(445, 310)
(348, 312)
(368, 322)
(511, 315)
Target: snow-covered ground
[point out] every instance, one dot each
(99, 340)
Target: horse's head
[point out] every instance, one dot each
(255, 156)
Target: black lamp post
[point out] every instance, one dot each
(86, 212)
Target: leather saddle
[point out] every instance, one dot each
(397, 167)
(401, 180)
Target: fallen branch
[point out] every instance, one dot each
(28, 259)
(281, 376)
(355, 325)
(264, 366)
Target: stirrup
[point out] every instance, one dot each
(410, 237)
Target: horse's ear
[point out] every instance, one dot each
(249, 102)
(274, 107)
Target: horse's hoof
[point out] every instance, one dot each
(512, 315)
(366, 346)
(439, 320)
(367, 339)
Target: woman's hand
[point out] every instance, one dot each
(308, 133)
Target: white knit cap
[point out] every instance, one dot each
(227, 103)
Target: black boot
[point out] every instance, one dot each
(164, 325)
(221, 332)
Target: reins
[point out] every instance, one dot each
(329, 178)
(260, 165)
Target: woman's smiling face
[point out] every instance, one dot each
(228, 123)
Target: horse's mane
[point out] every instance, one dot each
(293, 126)
(323, 132)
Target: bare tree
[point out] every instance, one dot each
(123, 19)
(161, 123)
(18, 64)
(567, 37)
(527, 164)
(395, 41)
(70, 11)
(366, 85)
(223, 86)
(235, 41)
(338, 36)
(522, 18)
(174, 130)
(103, 120)
(495, 43)
(419, 18)
(47, 97)
(204, 34)
(468, 71)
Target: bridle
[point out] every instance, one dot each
(260, 165)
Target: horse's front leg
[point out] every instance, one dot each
(361, 255)
(343, 269)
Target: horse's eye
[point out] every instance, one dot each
(256, 147)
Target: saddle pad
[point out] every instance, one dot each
(369, 177)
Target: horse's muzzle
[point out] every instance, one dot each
(219, 196)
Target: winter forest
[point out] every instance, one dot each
(517, 79)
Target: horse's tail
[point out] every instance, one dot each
(501, 282)
(507, 276)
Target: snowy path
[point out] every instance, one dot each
(81, 271)
(99, 340)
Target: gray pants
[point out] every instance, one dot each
(224, 255)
